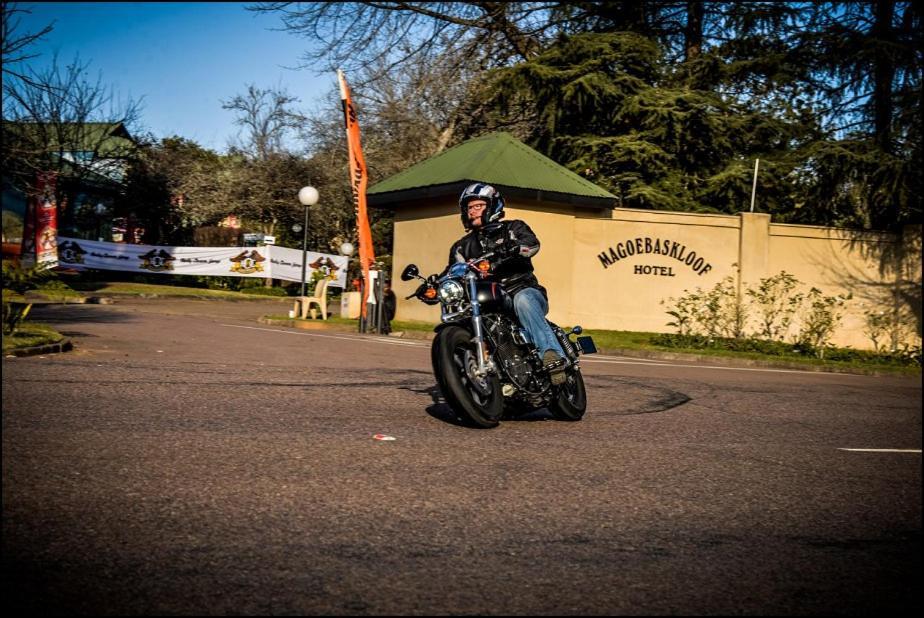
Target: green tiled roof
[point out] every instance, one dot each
(498, 159)
(106, 139)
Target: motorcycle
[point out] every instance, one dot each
(483, 360)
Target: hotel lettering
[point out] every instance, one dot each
(655, 246)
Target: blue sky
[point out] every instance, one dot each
(183, 58)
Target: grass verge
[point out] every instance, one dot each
(30, 334)
(124, 288)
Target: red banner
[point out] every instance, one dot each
(46, 220)
(358, 181)
(40, 224)
(27, 250)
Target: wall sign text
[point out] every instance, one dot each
(655, 246)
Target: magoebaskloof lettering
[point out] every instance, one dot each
(656, 246)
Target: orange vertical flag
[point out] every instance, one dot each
(358, 181)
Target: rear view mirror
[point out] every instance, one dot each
(410, 272)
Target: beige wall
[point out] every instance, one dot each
(627, 294)
(650, 257)
(423, 235)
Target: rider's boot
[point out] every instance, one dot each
(555, 365)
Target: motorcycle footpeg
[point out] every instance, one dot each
(587, 345)
(560, 364)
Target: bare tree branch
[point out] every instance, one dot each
(267, 117)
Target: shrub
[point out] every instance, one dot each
(22, 279)
(723, 314)
(908, 356)
(776, 302)
(890, 329)
(685, 312)
(55, 287)
(820, 319)
(13, 314)
(713, 313)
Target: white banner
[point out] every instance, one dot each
(261, 262)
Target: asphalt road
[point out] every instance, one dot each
(185, 459)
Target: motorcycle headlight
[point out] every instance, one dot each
(451, 291)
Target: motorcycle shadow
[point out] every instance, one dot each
(441, 411)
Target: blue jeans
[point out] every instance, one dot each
(530, 306)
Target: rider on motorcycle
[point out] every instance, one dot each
(513, 244)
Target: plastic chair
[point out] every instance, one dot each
(319, 297)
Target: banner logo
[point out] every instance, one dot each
(326, 266)
(71, 252)
(156, 260)
(247, 262)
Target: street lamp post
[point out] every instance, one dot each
(308, 196)
(100, 210)
(347, 249)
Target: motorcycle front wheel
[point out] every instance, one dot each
(571, 401)
(479, 399)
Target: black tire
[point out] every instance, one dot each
(435, 363)
(571, 401)
(480, 402)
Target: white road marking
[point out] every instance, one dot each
(611, 360)
(372, 338)
(881, 450)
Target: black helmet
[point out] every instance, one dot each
(494, 211)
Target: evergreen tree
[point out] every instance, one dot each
(614, 110)
(667, 104)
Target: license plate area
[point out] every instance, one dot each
(587, 345)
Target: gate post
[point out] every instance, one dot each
(753, 250)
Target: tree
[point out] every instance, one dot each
(263, 192)
(12, 226)
(177, 186)
(14, 46)
(611, 108)
(869, 61)
(354, 35)
(667, 103)
(57, 120)
(267, 116)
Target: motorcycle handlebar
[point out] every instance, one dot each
(486, 256)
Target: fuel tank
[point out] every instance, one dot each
(492, 297)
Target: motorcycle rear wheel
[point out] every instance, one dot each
(571, 402)
(480, 400)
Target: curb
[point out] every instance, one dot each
(83, 300)
(64, 345)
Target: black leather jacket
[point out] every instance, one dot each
(514, 244)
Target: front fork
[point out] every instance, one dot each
(485, 364)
